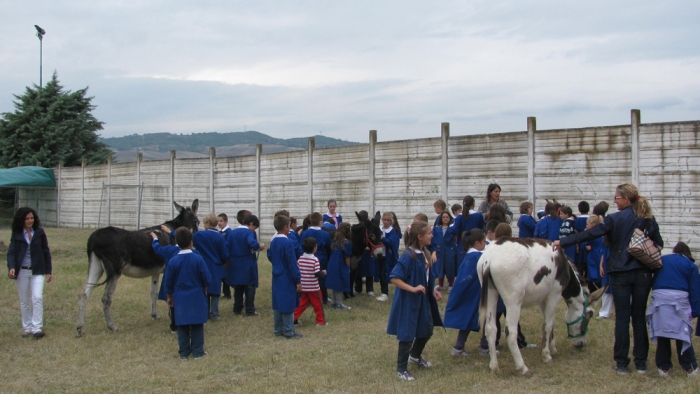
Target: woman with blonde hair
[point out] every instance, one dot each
(630, 280)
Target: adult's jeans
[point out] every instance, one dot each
(31, 300)
(630, 291)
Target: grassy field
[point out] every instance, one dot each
(353, 354)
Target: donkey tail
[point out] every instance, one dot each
(483, 303)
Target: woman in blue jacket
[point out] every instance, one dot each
(29, 264)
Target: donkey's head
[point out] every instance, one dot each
(579, 312)
(187, 217)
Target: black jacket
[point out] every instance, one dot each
(619, 227)
(40, 253)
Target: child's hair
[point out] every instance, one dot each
(601, 208)
(343, 233)
(498, 212)
(682, 248)
(183, 237)
(252, 219)
(503, 230)
(584, 207)
(468, 203)
(594, 220)
(470, 238)
(421, 217)
(362, 216)
(223, 216)
(448, 215)
(491, 225)
(242, 214)
(292, 220)
(456, 208)
(330, 220)
(440, 204)
(388, 214)
(552, 209)
(525, 206)
(279, 222)
(282, 212)
(330, 201)
(567, 210)
(411, 237)
(210, 219)
(316, 219)
(306, 223)
(308, 245)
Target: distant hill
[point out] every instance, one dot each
(157, 146)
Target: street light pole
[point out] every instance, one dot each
(40, 33)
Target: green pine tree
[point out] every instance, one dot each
(51, 125)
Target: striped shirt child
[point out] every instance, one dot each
(309, 266)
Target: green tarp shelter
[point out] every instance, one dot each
(27, 176)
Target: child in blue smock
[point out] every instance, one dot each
(286, 279)
(243, 245)
(548, 227)
(446, 251)
(566, 229)
(224, 229)
(414, 311)
(338, 272)
(391, 235)
(186, 281)
(526, 223)
(167, 252)
(467, 221)
(462, 311)
(594, 251)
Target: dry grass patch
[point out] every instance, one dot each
(353, 354)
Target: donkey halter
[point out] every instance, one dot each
(370, 243)
(583, 319)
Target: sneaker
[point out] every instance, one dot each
(420, 361)
(296, 335)
(370, 293)
(237, 313)
(297, 322)
(449, 288)
(383, 298)
(601, 317)
(405, 375)
(459, 352)
(621, 370)
(326, 324)
(26, 334)
(198, 357)
(214, 317)
(663, 372)
(438, 288)
(486, 352)
(39, 334)
(342, 307)
(252, 314)
(641, 371)
(693, 372)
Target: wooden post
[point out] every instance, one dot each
(372, 149)
(212, 156)
(258, 158)
(172, 183)
(445, 136)
(82, 195)
(58, 194)
(636, 120)
(109, 190)
(531, 129)
(310, 186)
(139, 158)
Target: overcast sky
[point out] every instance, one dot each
(341, 68)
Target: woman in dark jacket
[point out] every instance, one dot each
(629, 279)
(29, 264)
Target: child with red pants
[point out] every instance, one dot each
(310, 269)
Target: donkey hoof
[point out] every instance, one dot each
(113, 328)
(525, 371)
(155, 317)
(80, 332)
(547, 359)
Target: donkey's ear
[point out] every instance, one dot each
(178, 207)
(195, 206)
(597, 294)
(378, 216)
(358, 216)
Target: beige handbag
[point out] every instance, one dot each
(644, 250)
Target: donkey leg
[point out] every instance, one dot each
(154, 295)
(110, 287)
(511, 331)
(548, 310)
(95, 272)
(490, 328)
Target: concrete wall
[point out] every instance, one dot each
(402, 176)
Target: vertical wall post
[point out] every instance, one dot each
(82, 194)
(636, 120)
(172, 184)
(372, 151)
(531, 129)
(445, 136)
(139, 192)
(258, 158)
(310, 177)
(58, 194)
(109, 190)
(212, 156)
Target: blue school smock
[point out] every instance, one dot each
(186, 277)
(548, 228)
(593, 258)
(212, 246)
(338, 273)
(462, 311)
(285, 274)
(446, 251)
(567, 229)
(462, 225)
(295, 238)
(526, 226)
(242, 267)
(390, 240)
(225, 232)
(167, 253)
(580, 226)
(338, 219)
(411, 313)
(323, 248)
